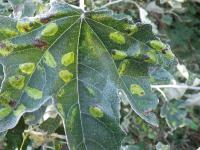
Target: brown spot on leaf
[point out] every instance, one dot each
(40, 44)
(46, 19)
(13, 103)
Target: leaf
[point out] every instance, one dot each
(67, 55)
(160, 76)
(174, 114)
(50, 125)
(14, 136)
(192, 100)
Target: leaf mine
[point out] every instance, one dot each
(49, 59)
(9, 32)
(34, 93)
(123, 66)
(118, 55)
(157, 45)
(137, 90)
(5, 97)
(117, 37)
(5, 111)
(6, 48)
(96, 112)
(150, 57)
(50, 30)
(19, 110)
(27, 68)
(131, 29)
(68, 59)
(17, 81)
(65, 75)
(24, 25)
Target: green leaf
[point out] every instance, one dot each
(14, 136)
(67, 55)
(174, 114)
(160, 76)
(50, 125)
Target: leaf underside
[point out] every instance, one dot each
(70, 56)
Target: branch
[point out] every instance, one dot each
(176, 86)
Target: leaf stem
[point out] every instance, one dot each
(176, 86)
(162, 93)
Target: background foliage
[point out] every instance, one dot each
(176, 22)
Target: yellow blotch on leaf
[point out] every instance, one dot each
(8, 32)
(169, 55)
(17, 81)
(131, 28)
(91, 91)
(6, 48)
(137, 90)
(34, 93)
(5, 97)
(27, 68)
(24, 25)
(157, 45)
(99, 17)
(96, 112)
(65, 75)
(123, 66)
(117, 37)
(61, 92)
(49, 59)
(68, 59)
(150, 57)
(118, 55)
(20, 109)
(5, 111)
(71, 119)
(50, 30)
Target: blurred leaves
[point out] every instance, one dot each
(161, 146)
(176, 115)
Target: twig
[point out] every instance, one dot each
(176, 86)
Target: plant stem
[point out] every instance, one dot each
(53, 135)
(119, 1)
(82, 4)
(176, 86)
